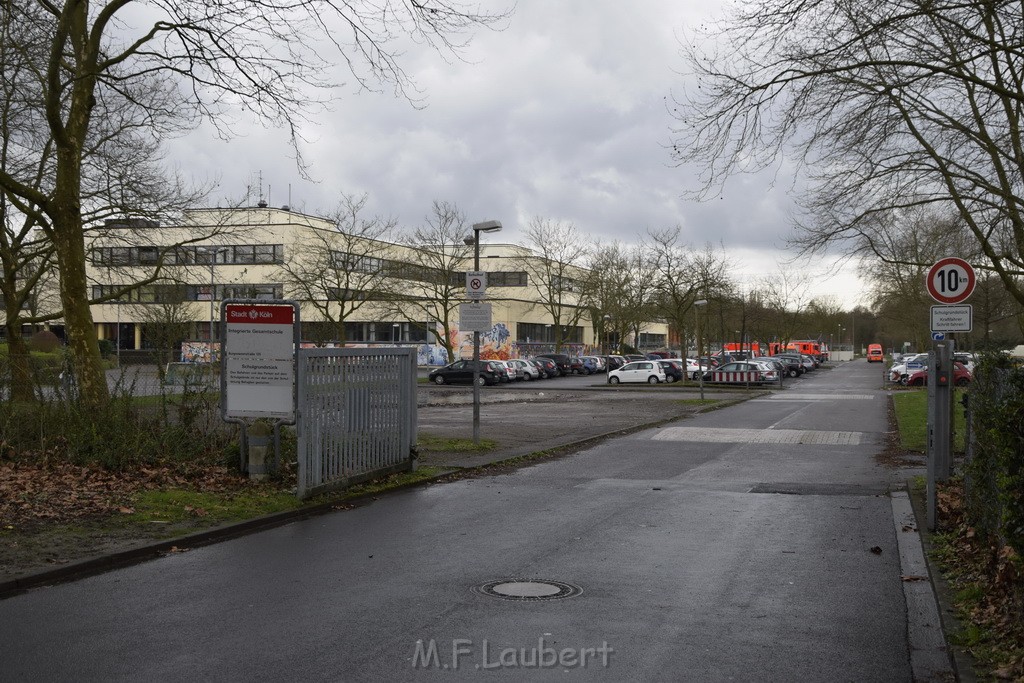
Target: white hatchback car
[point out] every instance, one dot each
(647, 371)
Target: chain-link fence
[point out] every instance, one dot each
(994, 469)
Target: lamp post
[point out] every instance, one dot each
(212, 252)
(696, 325)
(486, 226)
(604, 345)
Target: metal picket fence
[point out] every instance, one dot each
(356, 416)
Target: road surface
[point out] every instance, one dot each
(757, 542)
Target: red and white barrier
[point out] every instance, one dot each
(752, 377)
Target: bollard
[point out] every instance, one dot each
(258, 445)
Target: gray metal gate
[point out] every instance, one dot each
(356, 416)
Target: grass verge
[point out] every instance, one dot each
(911, 408)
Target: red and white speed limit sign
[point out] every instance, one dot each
(951, 280)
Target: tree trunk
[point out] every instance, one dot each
(69, 241)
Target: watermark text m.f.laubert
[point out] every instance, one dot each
(483, 654)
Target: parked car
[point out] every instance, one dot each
(600, 364)
(461, 372)
(547, 367)
(961, 376)
(875, 354)
(514, 374)
(806, 362)
(695, 367)
(561, 360)
(630, 357)
(577, 366)
(528, 370)
(899, 372)
(791, 365)
(967, 358)
(780, 367)
(674, 369)
(615, 362)
(648, 371)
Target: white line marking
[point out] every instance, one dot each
(721, 435)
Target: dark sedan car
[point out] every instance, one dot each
(561, 360)
(674, 370)
(461, 372)
(792, 365)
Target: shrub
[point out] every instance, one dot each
(107, 348)
(44, 341)
(995, 472)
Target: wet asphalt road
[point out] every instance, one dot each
(736, 545)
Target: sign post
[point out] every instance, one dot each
(950, 281)
(258, 349)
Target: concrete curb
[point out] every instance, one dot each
(963, 662)
(929, 655)
(150, 551)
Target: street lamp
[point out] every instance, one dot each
(696, 325)
(486, 226)
(604, 346)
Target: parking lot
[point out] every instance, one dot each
(526, 417)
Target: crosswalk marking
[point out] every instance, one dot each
(725, 435)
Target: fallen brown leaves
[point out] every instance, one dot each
(992, 574)
(33, 494)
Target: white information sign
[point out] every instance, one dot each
(952, 318)
(475, 317)
(259, 363)
(476, 284)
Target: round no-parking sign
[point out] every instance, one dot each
(951, 280)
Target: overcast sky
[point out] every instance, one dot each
(560, 115)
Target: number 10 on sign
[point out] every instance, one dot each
(950, 281)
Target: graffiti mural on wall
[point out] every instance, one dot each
(200, 352)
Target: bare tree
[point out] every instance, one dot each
(683, 276)
(884, 107)
(555, 269)
(341, 272)
(605, 284)
(146, 76)
(168, 322)
(788, 293)
(436, 272)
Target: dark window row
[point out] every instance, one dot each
(240, 254)
(504, 279)
(537, 333)
(166, 293)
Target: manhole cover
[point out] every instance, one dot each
(529, 589)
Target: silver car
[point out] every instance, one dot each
(527, 370)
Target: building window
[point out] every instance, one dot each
(535, 332)
(190, 255)
(651, 341)
(506, 279)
